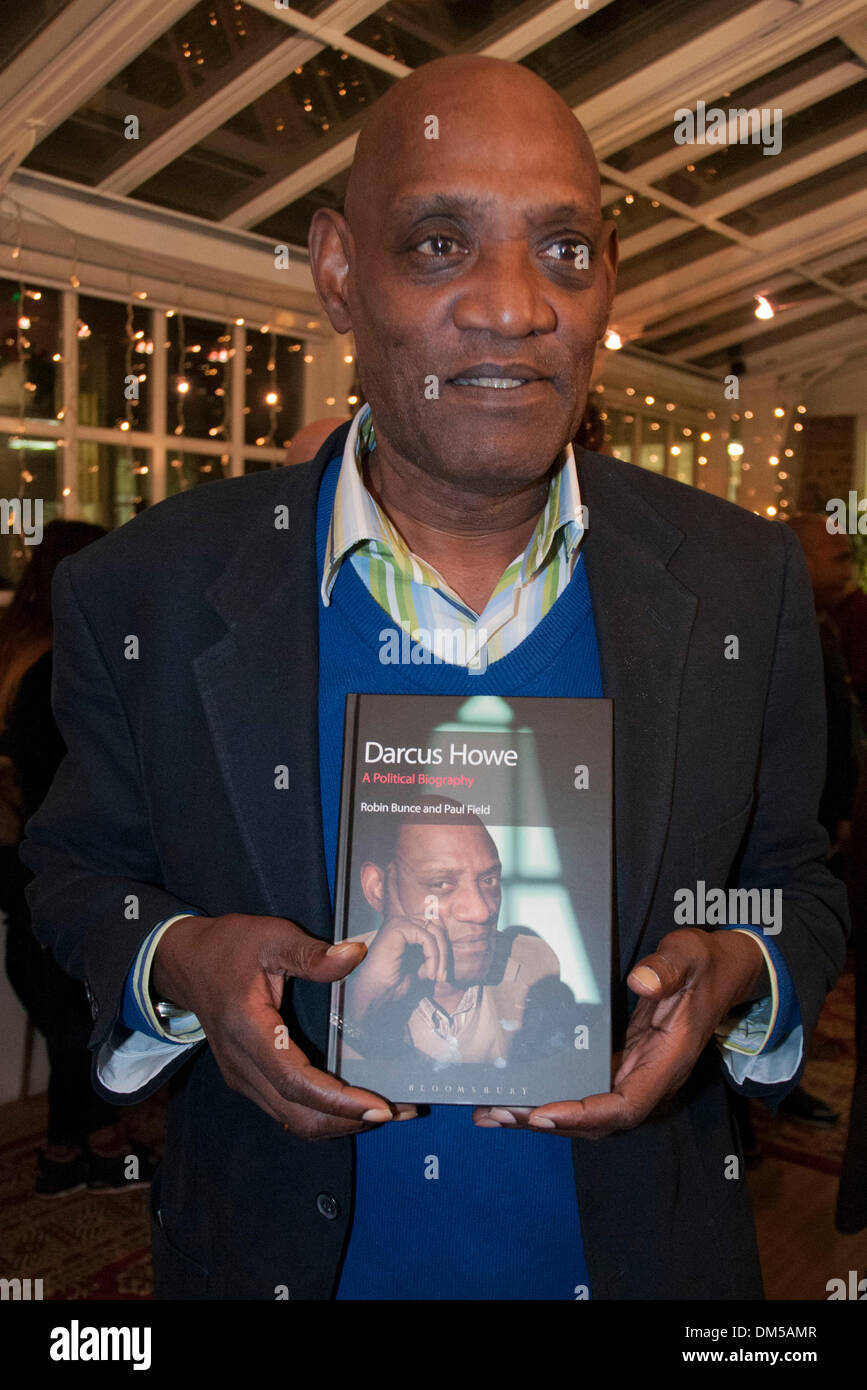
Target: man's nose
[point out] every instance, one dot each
(505, 294)
(470, 906)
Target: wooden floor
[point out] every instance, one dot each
(800, 1250)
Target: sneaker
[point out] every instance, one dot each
(55, 1178)
(108, 1173)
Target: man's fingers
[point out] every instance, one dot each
(670, 968)
(262, 1038)
(296, 953)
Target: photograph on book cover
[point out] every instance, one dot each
(475, 864)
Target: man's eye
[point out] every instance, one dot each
(570, 251)
(441, 245)
(491, 880)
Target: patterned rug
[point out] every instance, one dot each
(88, 1246)
(84, 1245)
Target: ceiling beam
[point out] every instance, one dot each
(331, 35)
(811, 349)
(638, 310)
(752, 328)
(76, 54)
(526, 38)
(181, 136)
(724, 58)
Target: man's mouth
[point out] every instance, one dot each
(496, 376)
(496, 383)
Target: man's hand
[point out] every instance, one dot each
(392, 966)
(686, 987)
(231, 971)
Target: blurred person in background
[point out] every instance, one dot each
(829, 565)
(85, 1143)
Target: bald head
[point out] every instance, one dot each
(463, 93)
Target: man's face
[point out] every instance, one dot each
(459, 866)
(469, 263)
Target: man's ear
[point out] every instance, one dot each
(373, 886)
(330, 245)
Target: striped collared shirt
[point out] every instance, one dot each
(416, 596)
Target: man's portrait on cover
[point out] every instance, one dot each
(442, 975)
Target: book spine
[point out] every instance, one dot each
(341, 885)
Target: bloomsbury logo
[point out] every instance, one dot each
(457, 646)
(23, 517)
(77, 1343)
(711, 125)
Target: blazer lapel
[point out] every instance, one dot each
(259, 688)
(643, 617)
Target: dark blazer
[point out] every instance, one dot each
(167, 793)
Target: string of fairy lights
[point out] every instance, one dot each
(192, 363)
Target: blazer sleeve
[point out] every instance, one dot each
(96, 892)
(786, 847)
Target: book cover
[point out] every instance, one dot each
(475, 861)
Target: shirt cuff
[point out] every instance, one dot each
(138, 1012)
(765, 1043)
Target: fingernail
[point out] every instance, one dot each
(342, 947)
(541, 1122)
(645, 976)
(487, 1124)
(376, 1117)
(410, 1114)
(505, 1117)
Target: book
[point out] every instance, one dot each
(475, 862)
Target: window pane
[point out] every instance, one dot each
(619, 434)
(29, 473)
(198, 386)
(682, 456)
(258, 465)
(113, 483)
(652, 445)
(110, 349)
(274, 389)
(189, 470)
(30, 373)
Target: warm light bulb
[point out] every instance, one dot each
(613, 340)
(764, 308)
(272, 398)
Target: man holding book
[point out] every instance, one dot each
(185, 856)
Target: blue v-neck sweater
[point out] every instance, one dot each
(443, 1209)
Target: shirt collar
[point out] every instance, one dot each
(357, 519)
